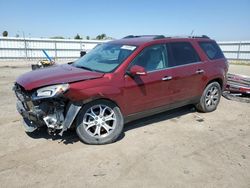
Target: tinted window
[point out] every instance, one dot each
(152, 58)
(183, 53)
(212, 50)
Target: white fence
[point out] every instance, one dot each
(31, 48)
(236, 50)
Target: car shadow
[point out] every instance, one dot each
(150, 120)
(70, 136)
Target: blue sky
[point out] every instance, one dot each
(219, 19)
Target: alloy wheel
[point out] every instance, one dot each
(212, 97)
(99, 121)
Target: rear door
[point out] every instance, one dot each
(215, 64)
(185, 72)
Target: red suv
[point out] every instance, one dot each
(120, 81)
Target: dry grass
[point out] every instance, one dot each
(239, 62)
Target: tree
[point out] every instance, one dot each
(87, 37)
(17, 35)
(98, 37)
(77, 36)
(101, 37)
(57, 37)
(5, 33)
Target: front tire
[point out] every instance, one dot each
(210, 98)
(99, 122)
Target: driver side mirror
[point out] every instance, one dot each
(137, 70)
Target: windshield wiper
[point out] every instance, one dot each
(87, 68)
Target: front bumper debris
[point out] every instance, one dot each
(29, 126)
(56, 114)
(71, 114)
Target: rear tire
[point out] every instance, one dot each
(99, 122)
(210, 98)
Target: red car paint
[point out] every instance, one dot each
(135, 95)
(54, 75)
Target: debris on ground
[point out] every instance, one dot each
(198, 118)
(237, 83)
(236, 96)
(237, 88)
(43, 63)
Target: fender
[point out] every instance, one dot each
(75, 106)
(88, 94)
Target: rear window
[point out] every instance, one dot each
(183, 53)
(212, 50)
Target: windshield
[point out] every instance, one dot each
(105, 57)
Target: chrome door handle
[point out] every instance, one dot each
(200, 71)
(167, 78)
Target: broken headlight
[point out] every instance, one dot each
(50, 91)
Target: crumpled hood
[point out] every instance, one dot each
(55, 75)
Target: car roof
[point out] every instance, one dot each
(144, 39)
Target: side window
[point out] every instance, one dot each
(183, 53)
(152, 58)
(212, 50)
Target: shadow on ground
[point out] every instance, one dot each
(150, 120)
(239, 97)
(70, 136)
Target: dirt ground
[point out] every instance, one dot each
(180, 148)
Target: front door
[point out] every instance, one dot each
(143, 92)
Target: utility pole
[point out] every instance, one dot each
(25, 46)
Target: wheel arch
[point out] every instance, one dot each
(90, 138)
(219, 80)
(100, 98)
(92, 100)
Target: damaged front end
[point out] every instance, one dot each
(46, 106)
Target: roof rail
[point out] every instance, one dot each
(129, 36)
(159, 37)
(162, 36)
(202, 36)
(137, 36)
